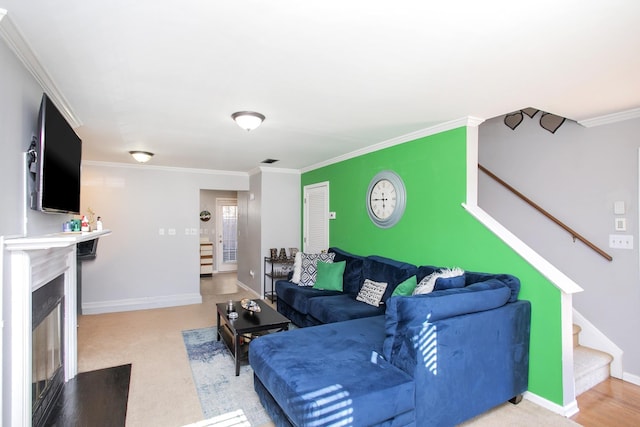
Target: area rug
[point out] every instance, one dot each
(219, 390)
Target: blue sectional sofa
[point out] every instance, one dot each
(436, 359)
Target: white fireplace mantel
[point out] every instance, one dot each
(34, 262)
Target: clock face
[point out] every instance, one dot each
(383, 199)
(386, 199)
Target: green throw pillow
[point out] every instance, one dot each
(406, 288)
(329, 275)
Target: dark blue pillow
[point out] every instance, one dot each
(443, 283)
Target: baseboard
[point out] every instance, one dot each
(566, 411)
(630, 378)
(132, 304)
(247, 288)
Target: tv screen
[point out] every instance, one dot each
(57, 165)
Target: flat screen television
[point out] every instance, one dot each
(56, 163)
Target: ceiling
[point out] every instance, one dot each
(330, 76)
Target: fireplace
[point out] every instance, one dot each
(47, 348)
(42, 268)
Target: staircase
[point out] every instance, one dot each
(590, 366)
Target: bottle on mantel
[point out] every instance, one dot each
(84, 224)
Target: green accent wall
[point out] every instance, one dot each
(437, 230)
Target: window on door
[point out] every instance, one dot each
(229, 233)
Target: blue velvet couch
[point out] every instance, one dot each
(436, 359)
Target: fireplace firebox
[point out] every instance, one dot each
(47, 348)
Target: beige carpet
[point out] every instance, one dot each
(162, 392)
(524, 414)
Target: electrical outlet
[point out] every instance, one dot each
(621, 241)
(172, 232)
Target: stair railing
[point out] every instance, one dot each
(575, 235)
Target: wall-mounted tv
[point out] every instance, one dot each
(56, 159)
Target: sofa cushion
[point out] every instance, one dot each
(298, 297)
(441, 279)
(309, 267)
(338, 308)
(352, 278)
(332, 373)
(511, 281)
(418, 310)
(371, 292)
(405, 288)
(297, 268)
(329, 276)
(392, 272)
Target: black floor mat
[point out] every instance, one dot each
(96, 398)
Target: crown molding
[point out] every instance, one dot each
(611, 118)
(163, 168)
(439, 128)
(17, 43)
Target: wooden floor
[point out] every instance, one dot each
(611, 403)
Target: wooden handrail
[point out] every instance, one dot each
(568, 229)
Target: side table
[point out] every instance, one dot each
(248, 322)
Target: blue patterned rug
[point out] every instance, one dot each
(219, 390)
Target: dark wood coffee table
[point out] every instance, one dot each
(231, 331)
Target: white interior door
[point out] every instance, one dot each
(227, 234)
(316, 218)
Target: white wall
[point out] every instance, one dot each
(273, 208)
(137, 267)
(19, 104)
(576, 174)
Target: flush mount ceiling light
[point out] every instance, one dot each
(248, 120)
(141, 156)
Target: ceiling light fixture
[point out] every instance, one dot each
(141, 156)
(248, 120)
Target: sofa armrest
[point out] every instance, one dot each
(472, 362)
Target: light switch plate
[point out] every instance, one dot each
(621, 224)
(618, 208)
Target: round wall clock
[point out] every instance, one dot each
(386, 199)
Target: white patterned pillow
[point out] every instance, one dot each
(427, 284)
(297, 267)
(371, 292)
(309, 267)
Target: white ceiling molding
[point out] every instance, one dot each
(611, 118)
(16, 42)
(147, 166)
(439, 128)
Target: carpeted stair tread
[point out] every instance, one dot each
(576, 335)
(590, 367)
